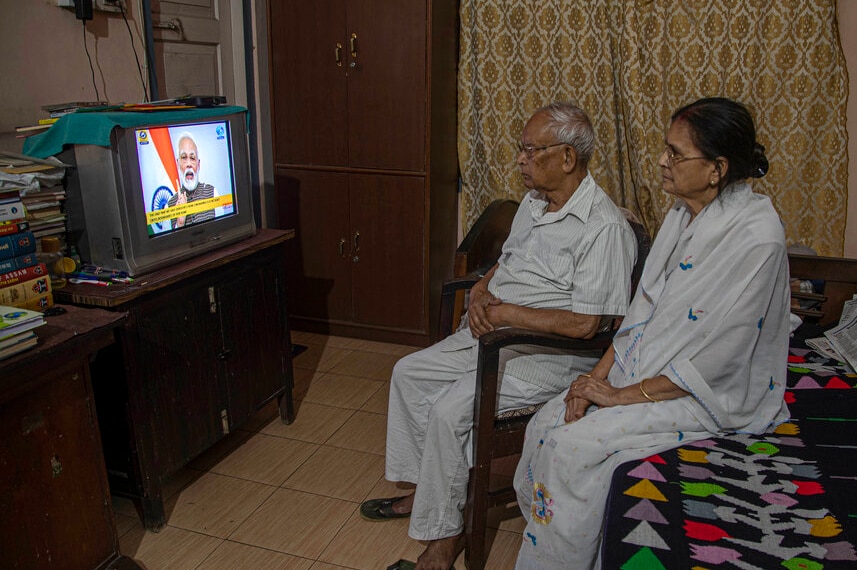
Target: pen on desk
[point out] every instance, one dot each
(116, 277)
(77, 280)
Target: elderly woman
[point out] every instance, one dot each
(701, 352)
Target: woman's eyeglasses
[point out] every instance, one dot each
(673, 158)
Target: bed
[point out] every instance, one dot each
(787, 499)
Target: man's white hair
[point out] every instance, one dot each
(186, 135)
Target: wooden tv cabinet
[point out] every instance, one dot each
(205, 346)
(54, 496)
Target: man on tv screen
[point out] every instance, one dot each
(190, 188)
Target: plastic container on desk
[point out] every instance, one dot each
(52, 256)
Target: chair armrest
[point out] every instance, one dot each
(448, 295)
(459, 283)
(488, 360)
(502, 338)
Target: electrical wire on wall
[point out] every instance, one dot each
(134, 48)
(83, 11)
(91, 68)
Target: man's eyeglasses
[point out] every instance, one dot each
(673, 158)
(530, 150)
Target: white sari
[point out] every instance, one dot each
(711, 313)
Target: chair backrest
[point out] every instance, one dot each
(481, 247)
(644, 245)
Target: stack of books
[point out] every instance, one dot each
(32, 200)
(16, 330)
(55, 111)
(44, 208)
(24, 281)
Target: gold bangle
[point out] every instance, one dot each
(646, 396)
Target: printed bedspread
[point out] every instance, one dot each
(782, 500)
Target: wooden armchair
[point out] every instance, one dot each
(477, 253)
(500, 436)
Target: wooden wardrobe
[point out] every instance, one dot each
(364, 123)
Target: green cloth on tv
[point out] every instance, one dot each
(94, 127)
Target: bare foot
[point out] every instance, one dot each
(404, 505)
(441, 554)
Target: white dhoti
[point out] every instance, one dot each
(430, 420)
(563, 478)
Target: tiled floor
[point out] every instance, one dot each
(274, 496)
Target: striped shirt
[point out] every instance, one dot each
(578, 258)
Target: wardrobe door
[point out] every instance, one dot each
(388, 265)
(387, 84)
(308, 51)
(318, 261)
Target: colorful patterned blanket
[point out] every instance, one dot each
(782, 500)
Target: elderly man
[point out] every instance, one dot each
(565, 269)
(190, 188)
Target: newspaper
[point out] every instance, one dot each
(849, 311)
(822, 346)
(843, 337)
(840, 342)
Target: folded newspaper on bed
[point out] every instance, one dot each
(840, 342)
(822, 346)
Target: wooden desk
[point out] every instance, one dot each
(205, 346)
(55, 499)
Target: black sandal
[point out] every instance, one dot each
(382, 510)
(408, 565)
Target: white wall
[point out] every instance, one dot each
(44, 62)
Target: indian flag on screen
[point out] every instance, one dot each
(158, 172)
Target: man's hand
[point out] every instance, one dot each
(181, 199)
(477, 310)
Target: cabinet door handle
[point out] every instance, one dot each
(337, 54)
(224, 421)
(353, 44)
(341, 247)
(355, 247)
(212, 301)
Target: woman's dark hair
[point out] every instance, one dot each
(722, 127)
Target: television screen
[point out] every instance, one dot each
(166, 189)
(186, 175)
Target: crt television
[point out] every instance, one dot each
(123, 201)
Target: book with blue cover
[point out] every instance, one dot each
(17, 244)
(20, 262)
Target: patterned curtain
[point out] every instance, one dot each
(630, 64)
